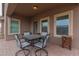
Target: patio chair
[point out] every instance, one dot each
(22, 45)
(42, 44)
(27, 33)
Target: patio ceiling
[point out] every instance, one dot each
(26, 9)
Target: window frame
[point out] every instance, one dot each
(46, 18)
(70, 27)
(37, 25)
(9, 24)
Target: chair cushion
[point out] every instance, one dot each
(44, 33)
(25, 44)
(39, 44)
(22, 40)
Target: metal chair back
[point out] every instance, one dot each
(45, 38)
(27, 33)
(17, 40)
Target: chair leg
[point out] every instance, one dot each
(39, 50)
(23, 51)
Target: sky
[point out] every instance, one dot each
(62, 22)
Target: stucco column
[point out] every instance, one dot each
(5, 20)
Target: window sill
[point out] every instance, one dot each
(13, 33)
(59, 36)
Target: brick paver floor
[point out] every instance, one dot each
(9, 48)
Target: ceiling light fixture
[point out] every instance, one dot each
(35, 7)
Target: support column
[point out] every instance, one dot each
(5, 20)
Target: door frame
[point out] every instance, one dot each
(33, 26)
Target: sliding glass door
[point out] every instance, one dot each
(44, 25)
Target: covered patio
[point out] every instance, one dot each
(38, 18)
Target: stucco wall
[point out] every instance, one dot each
(76, 28)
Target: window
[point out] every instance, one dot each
(63, 24)
(14, 26)
(0, 9)
(44, 25)
(0, 27)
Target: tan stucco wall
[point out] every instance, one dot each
(76, 28)
(51, 13)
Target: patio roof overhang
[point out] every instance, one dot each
(26, 9)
